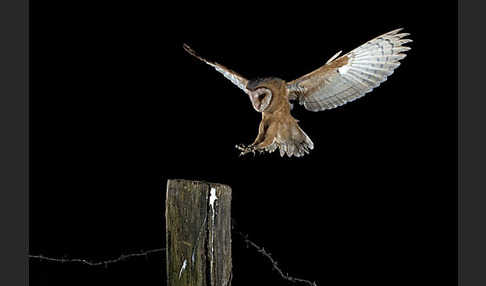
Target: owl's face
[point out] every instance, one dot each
(261, 92)
(261, 98)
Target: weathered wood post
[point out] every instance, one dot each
(198, 237)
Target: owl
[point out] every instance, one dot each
(340, 80)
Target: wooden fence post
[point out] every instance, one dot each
(198, 233)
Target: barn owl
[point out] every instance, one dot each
(340, 80)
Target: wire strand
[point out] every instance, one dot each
(124, 257)
(262, 250)
(97, 263)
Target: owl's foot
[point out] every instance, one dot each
(245, 149)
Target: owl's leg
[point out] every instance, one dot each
(245, 149)
(261, 142)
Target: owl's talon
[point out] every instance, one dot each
(246, 149)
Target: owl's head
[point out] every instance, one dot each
(262, 91)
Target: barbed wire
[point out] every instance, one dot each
(97, 263)
(123, 257)
(262, 250)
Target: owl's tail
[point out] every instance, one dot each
(291, 141)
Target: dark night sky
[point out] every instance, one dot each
(117, 108)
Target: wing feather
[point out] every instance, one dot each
(352, 75)
(233, 76)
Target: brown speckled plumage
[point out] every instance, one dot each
(340, 80)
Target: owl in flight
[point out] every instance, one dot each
(340, 80)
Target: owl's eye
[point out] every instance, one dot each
(261, 96)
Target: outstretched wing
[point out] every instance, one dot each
(233, 76)
(352, 75)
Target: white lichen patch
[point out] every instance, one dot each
(183, 267)
(212, 198)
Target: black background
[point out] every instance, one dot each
(117, 108)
